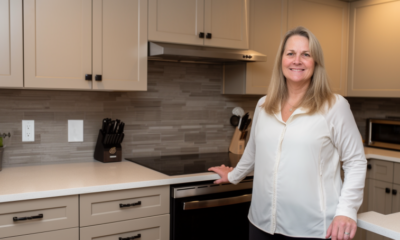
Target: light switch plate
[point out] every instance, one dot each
(75, 130)
(28, 130)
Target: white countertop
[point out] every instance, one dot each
(43, 181)
(33, 182)
(382, 154)
(385, 225)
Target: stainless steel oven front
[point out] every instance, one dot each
(209, 211)
(383, 133)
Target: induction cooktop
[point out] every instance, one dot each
(187, 164)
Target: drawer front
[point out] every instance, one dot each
(150, 228)
(396, 179)
(99, 208)
(58, 213)
(381, 170)
(66, 234)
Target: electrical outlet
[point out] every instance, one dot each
(28, 130)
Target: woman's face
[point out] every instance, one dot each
(297, 63)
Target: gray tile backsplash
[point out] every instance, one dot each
(183, 111)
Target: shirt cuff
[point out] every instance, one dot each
(231, 179)
(347, 212)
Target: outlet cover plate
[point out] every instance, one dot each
(75, 130)
(28, 130)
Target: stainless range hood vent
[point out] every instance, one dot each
(186, 53)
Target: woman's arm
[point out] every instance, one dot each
(347, 140)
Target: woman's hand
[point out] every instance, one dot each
(222, 171)
(342, 227)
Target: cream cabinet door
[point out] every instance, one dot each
(58, 43)
(379, 201)
(328, 20)
(11, 59)
(267, 26)
(176, 21)
(120, 45)
(226, 23)
(374, 49)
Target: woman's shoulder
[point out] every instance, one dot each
(261, 101)
(339, 107)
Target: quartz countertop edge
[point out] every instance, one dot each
(104, 188)
(382, 154)
(385, 225)
(125, 175)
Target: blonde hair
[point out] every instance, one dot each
(319, 92)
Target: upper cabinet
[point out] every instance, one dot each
(269, 22)
(267, 26)
(374, 49)
(328, 20)
(85, 44)
(213, 23)
(11, 56)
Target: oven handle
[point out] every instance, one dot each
(216, 202)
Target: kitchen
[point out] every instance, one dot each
(182, 111)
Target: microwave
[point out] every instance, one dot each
(383, 133)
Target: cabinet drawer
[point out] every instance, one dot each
(150, 228)
(396, 179)
(98, 208)
(381, 170)
(58, 213)
(65, 234)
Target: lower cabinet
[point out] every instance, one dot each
(383, 196)
(150, 228)
(39, 215)
(66, 234)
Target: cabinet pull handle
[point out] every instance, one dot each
(16, 219)
(98, 78)
(88, 77)
(369, 166)
(201, 35)
(387, 190)
(394, 191)
(209, 35)
(131, 238)
(130, 204)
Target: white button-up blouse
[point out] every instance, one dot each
(297, 187)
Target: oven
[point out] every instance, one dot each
(384, 133)
(209, 211)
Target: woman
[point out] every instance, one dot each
(300, 133)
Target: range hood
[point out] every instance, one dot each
(187, 53)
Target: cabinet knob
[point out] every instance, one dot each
(369, 166)
(387, 190)
(88, 77)
(209, 35)
(201, 35)
(98, 78)
(394, 191)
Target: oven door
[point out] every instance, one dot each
(212, 216)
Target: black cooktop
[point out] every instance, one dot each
(187, 164)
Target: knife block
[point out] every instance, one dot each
(107, 153)
(237, 144)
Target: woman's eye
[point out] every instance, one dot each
(290, 54)
(307, 55)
